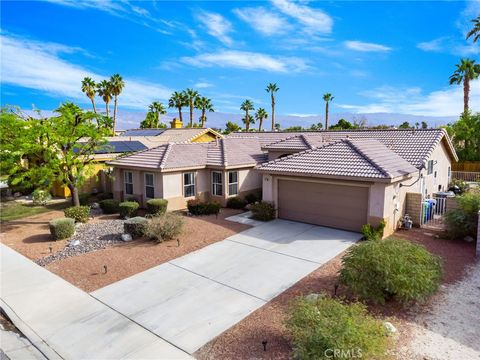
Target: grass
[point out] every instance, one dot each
(13, 210)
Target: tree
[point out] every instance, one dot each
(204, 104)
(117, 84)
(465, 134)
(404, 125)
(177, 100)
(424, 125)
(316, 127)
(277, 127)
(272, 88)
(152, 119)
(260, 115)
(294, 128)
(247, 106)
(327, 97)
(104, 90)
(342, 124)
(466, 71)
(191, 96)
(248, 120)
(475, 31)
(231, 127)
(89, 88)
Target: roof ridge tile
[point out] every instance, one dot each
(163, 161)
(354, 145)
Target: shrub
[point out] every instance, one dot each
(78, 213)
(41, 197)
(157, 207)
(319, 326)
(62, 228)
(109, 206)
(463, 221)
(196, 207)
(371, 233)
(391, 268)
(104, 196)
(263, 211)
(128, 209)
(136, 226)
(84, 199)
(252, 198)
(462, 185)
(132, 199)
(165, 227)
(236, 203)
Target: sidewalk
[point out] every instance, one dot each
(64, 322)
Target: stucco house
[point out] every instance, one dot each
(341, 179)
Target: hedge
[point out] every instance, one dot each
(109, 206)
(196, 207)
(62, 228)
(78, 213)
(236, 203)
(263, 211)
(136, 226)
(128, 209)
(157, 207)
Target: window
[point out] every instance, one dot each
(149, 186)
(233, 183)
(449, 172)
(430, 167)
(189, 184)
(217, 183)
(128, 176)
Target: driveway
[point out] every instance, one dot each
(192, 299)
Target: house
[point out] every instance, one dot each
(342, 179)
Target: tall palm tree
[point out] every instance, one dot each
(272, 88)
(89, 88)
(158, 109)
(475, 31)
(246, 106)
(177, 100)
(248, 120)
(260, 115)
(327, 97)
(104, 90)
(467, 70)
(191, 96)
(117, 85)
(204, 104)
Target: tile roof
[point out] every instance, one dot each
(142, 132)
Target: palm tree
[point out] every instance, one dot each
(117, 85)
(89, 88)
(104, 90)
(327, 98)
(204, 104)
(248, 120)
(272, 88)
(467, 70)
(191, 96)
(177, 100)
(260, 115)
(246, 106)
(475, 32)
(158, 109)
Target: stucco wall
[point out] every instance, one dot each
(443, 162)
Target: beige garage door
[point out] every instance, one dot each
(338, 206)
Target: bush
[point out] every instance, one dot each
(236, 203)
(320, 326)
(78, 213)
(462, 185)
(165, 227)
(128, 209)
(84, 199)
(62, 228)
(263, 211)
(157, 207)
(136, 226)
(41, 197)
(196, 207)
(132, 199)
(463, 221)
(391, 268)
(104, 196)
(109, 206)
(371, 233)
(252, 198)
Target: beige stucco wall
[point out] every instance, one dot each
(443, 162)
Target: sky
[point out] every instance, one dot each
(374, 56)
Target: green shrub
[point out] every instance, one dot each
(462, 185)
(263, 211)
(236, 203)
(165, 227)
(78, 213)
(109, 206)
(157, 207)
(463, 221)
(132, 199)
(196, 207)
(41, 197)
(320, 326)
(391, 268)
(62, 228)
(253, 198)
(84, 199)
(128, 209)
(371, 233)
(104, 196)
(136, 226)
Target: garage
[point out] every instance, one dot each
(326, 204)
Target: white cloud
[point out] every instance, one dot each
(247, 60)
(263, 21)
(217, 26)
(38, 66)
(447, 44)
(366, 46)
(203, 85)
(315, 20)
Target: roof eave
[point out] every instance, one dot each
(338, 177)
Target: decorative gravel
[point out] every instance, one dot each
(88, 237)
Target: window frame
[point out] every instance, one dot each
(150, 186)
(233, 183)
(125, 182)
(193, 185)
(216, 185)
(430, 167)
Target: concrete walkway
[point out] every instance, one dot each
(192, 299)
(64, 322)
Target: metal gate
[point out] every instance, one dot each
(433, 210)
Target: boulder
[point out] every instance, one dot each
(127, 237)
(390, 328)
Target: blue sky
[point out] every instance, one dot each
(372, 56)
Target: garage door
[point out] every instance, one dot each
(338, 206)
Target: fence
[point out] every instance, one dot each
(469, 176)
(433, 210)
(466, 166)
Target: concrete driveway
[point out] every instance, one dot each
(192, 299)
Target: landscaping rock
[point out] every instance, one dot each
(390, 328)
(74, 243)
(313, 297)
(468, 239)
(127, 237)
(95, 205)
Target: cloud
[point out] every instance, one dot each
(263, 21)
(217, 26)
(315, 20)
(447, 44)
(247, 60)
(203, 85)
(39, 66)
(366, 46)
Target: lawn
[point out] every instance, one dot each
(13, 210)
